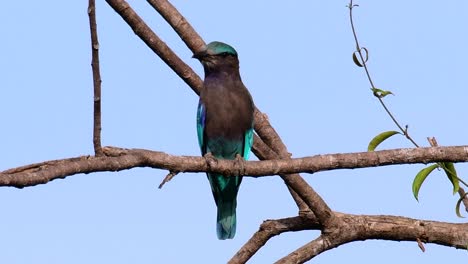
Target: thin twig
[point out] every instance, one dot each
(364, 64)
(168, 177)
(464, 196)
(421, 245)
(96, 78)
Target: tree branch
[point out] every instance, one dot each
(272, 228)
(382, 227)
(145, 33)
(117, 159)
(180, 25)
(356, 228)
(96, 78)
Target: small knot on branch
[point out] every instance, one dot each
(211, 161)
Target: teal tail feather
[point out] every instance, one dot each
(226, 221)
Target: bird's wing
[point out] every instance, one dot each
(248, 142)
(201, 114)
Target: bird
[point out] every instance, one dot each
(225, 119)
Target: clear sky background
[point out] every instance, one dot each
(295, 60)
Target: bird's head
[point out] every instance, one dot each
(217, 56)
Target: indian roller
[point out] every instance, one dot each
(224, 126)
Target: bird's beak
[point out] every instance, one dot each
(200, 55)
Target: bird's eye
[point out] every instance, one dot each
(224, 54)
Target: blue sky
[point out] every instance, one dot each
(296, 61)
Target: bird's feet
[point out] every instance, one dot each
(211, 161)
(240, 164)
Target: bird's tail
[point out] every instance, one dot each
(226, 221)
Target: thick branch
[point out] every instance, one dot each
(145, 33)
(117, 159)
(355, 228)
(180, 25)
(382, 227)
(308, 251)
(272, 228)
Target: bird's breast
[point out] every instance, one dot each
(229, 113)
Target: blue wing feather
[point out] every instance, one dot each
(201, 114)
(248, 142)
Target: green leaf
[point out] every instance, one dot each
(356, 60)
(362, 52)
(457, 207)
(379, 139)
(380, 93)
(449, 169)
(420, 177)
